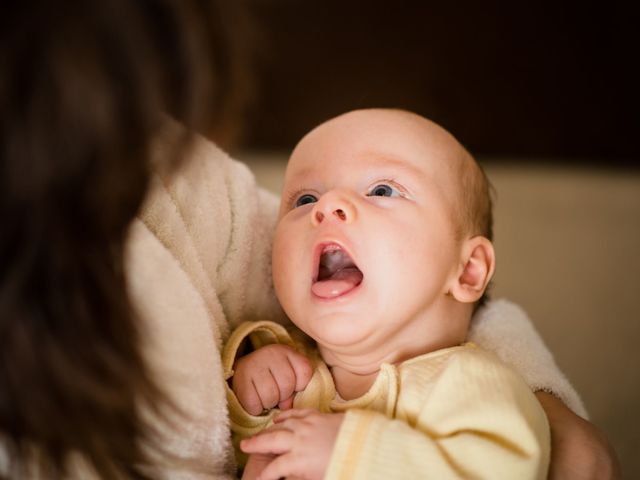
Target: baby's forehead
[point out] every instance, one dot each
(382, 129)
(401, 140)
(387, 120)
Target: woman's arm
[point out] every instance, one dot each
(579, 451)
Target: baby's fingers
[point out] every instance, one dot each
(268, 389)
(302, 368)
(248, 397)
(275, 441)
(286, 404)
(284, 466)
(298, 413)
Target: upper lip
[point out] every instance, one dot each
(319, 248)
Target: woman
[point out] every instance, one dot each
(85, 388)
(83, 86)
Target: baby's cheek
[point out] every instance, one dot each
(279, 254)
(286, 271)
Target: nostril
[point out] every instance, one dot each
(319, 216)
(340, 214)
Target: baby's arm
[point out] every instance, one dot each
(269, 377)
(263, 379)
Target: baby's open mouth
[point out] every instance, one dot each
(337, 273)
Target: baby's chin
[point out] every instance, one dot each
(336, 331)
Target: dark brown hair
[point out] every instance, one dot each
(83, 86)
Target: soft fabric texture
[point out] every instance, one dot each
(453, 413)
(503, 327)
(198, 263)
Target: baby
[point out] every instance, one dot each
(381, 253)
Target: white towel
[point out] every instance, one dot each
(504, 328)
(199, 262)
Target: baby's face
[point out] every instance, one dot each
(366, 241)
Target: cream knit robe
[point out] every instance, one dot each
(199, 263)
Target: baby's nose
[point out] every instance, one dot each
(339, 213)
(333, 206)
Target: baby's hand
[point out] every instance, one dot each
(303, 441)
(269, 377)
(255, 464)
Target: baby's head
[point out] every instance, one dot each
(383, 241)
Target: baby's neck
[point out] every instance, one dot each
(350, 385)
(353, 376)
(355, 367)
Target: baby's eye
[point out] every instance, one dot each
(383, 190)
(305, 199)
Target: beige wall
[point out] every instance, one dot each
(568, 247)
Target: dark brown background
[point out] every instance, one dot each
(542, 80)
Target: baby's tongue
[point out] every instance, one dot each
(338, 284)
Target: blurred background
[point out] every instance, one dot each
(526, 79)
(545, 95)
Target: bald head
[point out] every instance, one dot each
(390, 124)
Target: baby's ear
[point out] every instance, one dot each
(477, 266)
